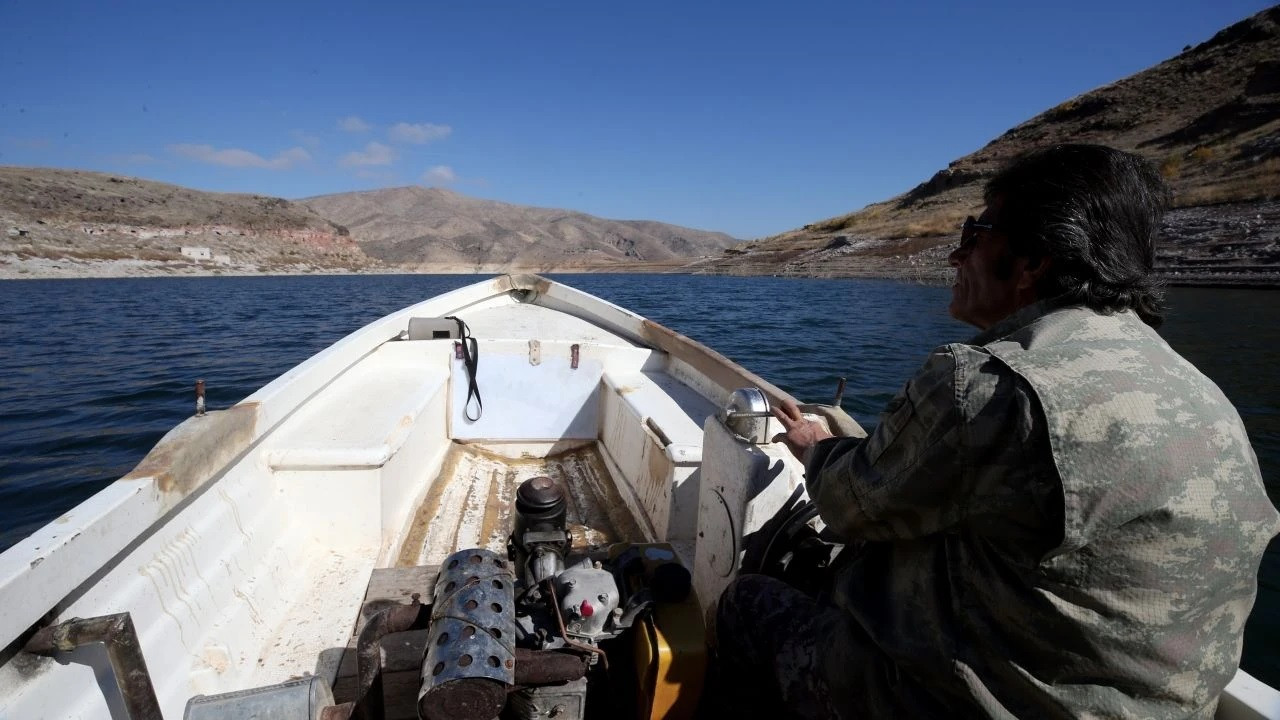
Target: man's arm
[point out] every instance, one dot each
(902, 480)
(955, 444)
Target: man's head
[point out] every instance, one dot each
(1073, 220)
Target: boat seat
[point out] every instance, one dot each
(671, 411)
(652, 430)
(365, 415)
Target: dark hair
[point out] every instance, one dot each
(1094, 212)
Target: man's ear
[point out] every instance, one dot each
(1031, 273)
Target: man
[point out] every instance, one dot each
(1060, 518)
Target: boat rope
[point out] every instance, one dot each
(470, 358)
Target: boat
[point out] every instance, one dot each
(514, 497)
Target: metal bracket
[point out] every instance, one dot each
(124, 652)
(573, 356)
(551, 536)
(535, 352)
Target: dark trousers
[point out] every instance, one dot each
(784, 654)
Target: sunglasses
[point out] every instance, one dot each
(969, 232)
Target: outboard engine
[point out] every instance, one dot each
(550, 624)
(526, 635)
(584, 596)
(560, 609)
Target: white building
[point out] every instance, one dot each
(197, 253)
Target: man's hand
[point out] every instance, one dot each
(801, 434)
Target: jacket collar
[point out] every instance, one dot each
(1021, 318)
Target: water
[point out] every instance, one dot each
(94, 372)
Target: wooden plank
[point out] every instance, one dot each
(399, 691)
(403, 651)
(398, 584)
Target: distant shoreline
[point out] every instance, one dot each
(12, 268)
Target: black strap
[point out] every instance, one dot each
(470, 358)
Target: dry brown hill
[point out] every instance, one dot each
(1209, 118)
(78, 220)
(70, 223)
(419, 226)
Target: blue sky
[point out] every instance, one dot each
(746, 117)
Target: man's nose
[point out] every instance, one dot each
(956, 257)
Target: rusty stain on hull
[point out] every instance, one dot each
(197, 449)
(472, 502)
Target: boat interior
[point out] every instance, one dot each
(378, 454)
(382, 468)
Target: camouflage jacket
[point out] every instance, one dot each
(1063, 518)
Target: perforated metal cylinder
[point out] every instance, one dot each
(470, 659)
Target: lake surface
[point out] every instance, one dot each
(94, 372)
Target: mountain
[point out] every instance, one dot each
(77, 223)
(425, 227)
(71, 223)
(1209, 118)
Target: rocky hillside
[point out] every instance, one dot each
(1208, 118)
(424, 227)
(68, 222)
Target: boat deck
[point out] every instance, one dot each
(472, 504)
